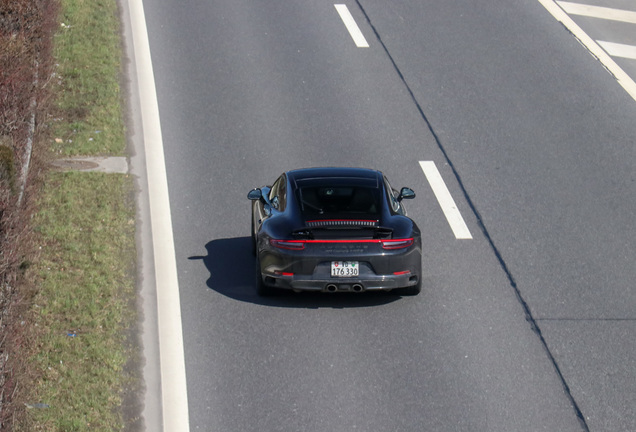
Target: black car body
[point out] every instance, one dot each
(334, 229)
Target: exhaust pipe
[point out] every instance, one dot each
(358, 287)
(332, 288)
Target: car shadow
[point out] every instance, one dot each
(233, 274)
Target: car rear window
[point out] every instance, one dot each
(339, 200)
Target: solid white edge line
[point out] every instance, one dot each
(623, 79)
(173, 374)
(446, 202)
(351, 25)
(618, 50)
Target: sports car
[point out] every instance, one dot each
(334, 230)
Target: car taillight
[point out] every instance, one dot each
(288, 244)
(397, 244)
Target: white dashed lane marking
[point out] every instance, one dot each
(618, 50)
(446, 202)
(559, 11)
(614, 49)
(351, 25)
(598, 12)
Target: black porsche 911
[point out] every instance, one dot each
(334, 230)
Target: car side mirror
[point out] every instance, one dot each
(406, 193)
(255, 194)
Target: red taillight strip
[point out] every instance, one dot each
(300, 244)
(402, 272)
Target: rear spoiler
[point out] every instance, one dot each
(342, 223)
(378, 232)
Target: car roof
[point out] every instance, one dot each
(361, 176)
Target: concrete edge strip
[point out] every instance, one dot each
(171, 351)
(111, 164)
(623, 79)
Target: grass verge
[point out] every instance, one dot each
(85, 228)
(88, 53)
(85, 281)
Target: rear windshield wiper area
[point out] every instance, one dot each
(304, 203)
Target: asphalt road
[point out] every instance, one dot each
(528, 326)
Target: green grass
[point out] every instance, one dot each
(86, 279)
(87, 49)
(85, 228)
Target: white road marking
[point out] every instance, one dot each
(445, 200)
(598, 12)
(619, 50)
(351, 25)
(173, 377)
(623, 79)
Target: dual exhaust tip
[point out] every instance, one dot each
(345, 287)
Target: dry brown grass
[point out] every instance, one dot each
(26, 32)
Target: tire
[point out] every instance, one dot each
(253, 237)
(261, 289)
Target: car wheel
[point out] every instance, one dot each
(253, 237)
(261, 289)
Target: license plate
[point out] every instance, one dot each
(345, 269)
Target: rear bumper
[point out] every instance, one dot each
(310, 269)
(335, 284)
